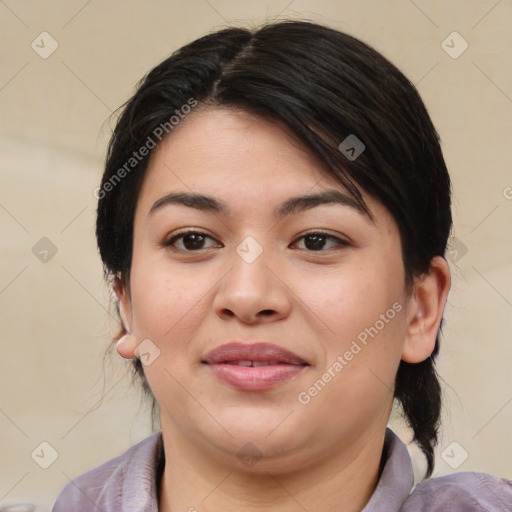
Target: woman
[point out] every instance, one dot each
(274, 215)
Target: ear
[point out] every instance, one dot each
(123, 299)
(127, 344)
(425, 309)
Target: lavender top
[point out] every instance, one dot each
(129, 482)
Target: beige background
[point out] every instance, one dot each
(55, 317)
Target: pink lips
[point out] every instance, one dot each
(255, 366)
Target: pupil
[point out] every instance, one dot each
(193, 241)
(315, 242)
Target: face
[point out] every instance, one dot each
(258, 262)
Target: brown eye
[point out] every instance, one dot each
(320, 241)
(191, 241)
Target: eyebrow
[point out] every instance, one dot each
(289, 207)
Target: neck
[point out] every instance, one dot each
(194, 481)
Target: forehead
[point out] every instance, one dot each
(237, 157)
(223, 142)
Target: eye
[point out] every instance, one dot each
(319, 241)
(191, 241)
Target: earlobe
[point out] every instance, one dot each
(426, 307)
(126, 346)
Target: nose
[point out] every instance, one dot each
(252, 293)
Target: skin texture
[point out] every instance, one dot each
(313, 302)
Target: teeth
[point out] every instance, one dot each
(254, 363)
(243, 363)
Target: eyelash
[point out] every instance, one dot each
(169, 243)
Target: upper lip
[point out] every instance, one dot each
(259, 351)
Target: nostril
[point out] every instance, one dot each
(266, 312)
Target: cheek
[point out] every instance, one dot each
(363, 306)
(166, 309)
(162, 300)
(351, 298)
(360, 363)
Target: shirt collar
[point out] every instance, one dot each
(396, 480)
(143, 472)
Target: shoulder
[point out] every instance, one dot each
(468, 492)
(107, 486)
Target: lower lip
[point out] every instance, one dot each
(255, 378)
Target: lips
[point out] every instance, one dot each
(254, 366)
